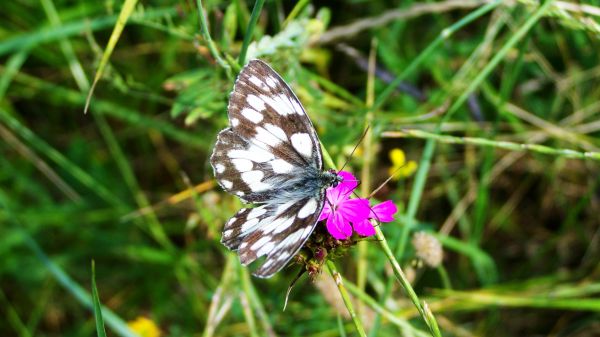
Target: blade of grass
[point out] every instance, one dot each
(46, 35)
(206, 36)
(100, 331)
(58, 158)
(442, 37)
(385, 94)
(116, 110)
(427, 316)
(248, 37)
(13, 65)
(244, 295)
(12, 317)
(81, 295)
(124, 15)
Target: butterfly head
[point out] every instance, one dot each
(332, 178)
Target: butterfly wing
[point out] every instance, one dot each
(275, 230)
(269, 155)
(271, 137)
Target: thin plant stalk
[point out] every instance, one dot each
(425, 314)
(209, 42)
(248, 37)
(368, 159)
(346, 298)
(484, 142)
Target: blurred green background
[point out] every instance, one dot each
(492, 108)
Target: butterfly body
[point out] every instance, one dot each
(269, 156)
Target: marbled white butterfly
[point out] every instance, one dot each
(270, 156)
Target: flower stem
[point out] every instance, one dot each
(427, 315)
(340, 284)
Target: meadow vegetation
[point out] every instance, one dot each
(486, 111)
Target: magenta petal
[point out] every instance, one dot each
(325, 212)
(364, 228)
(384, 212)
(354, 210)
(338, 227)
(336, 195)
(349, 181)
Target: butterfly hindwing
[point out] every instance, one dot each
(276, 231)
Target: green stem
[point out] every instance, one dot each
(511, 146)
(209, 42)
(340, 284)
(253, 19)
(381, 310)
(425, 314)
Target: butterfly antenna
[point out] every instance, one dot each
(386, 181)
(362, 137)
(287, 294)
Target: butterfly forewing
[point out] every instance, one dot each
(269, 155)
(263, 109)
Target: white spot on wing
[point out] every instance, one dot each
(220, 168)
(283, 256)
(267, 248)
(249, 225)
(297, 106)
(281, 208)
(277, 131)
(256, 212)
(271, 81)
(242, 165)
(266, 137)
(254, 153)
(284, 225)
(235, 122)
(302, 143)
(260, 242)
(308, 209)
(255, 102)
(251, 177)
(226, 183)
(256, 81)
(252, 115)
(279, 106)
(281, 166)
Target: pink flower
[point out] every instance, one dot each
(383, 212)
(345, 215)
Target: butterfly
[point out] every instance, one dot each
(270, 156)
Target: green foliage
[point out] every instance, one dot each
(497, 103)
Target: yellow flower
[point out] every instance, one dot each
(144, 327)
(400, 168)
